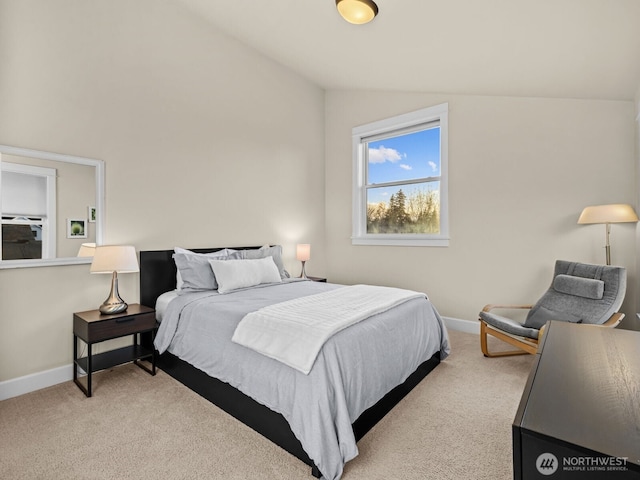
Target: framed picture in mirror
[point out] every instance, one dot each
(76, 228)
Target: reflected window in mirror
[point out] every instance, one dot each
(28, 199)
(40, 193)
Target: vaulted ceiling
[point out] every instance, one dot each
(539, 48)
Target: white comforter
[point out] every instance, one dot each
(293, 332)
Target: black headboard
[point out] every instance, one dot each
(158, 272)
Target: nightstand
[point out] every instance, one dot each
(93, 327)
(317, 279)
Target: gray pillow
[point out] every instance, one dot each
(579, 286)
(195, 271)
(267, 251)
(540, 315)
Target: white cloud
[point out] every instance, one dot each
(433, 166)
(405, 167)
(381, 155)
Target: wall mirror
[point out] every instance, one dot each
(51, 204)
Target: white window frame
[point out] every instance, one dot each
(437, 113)
(48, 222)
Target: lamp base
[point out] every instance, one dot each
(303, 274)
(113, 303)
(111, 308)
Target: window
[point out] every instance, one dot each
(28, 200)
(400, 180)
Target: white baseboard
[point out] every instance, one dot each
(35, 381)
(467, 326)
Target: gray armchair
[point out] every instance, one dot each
(579, 293)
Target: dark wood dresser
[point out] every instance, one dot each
(579, 416)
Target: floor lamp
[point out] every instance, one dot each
(608, 214)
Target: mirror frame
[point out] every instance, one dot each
(100, 204)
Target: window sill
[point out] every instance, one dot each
(400, 242)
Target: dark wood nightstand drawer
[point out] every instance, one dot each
(94, 327)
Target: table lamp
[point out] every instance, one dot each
(113, 259)
(87, 250)
(303, 253)
(608, 214)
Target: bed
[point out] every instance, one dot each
(317, 417)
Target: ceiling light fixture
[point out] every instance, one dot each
(357, 11)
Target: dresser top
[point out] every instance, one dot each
(586, 389)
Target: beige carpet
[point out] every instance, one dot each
(455, 425)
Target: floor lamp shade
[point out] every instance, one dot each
(114, 259)
(608, 214)
(614, 213)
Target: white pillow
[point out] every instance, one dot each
(235, 274)
(266, 251)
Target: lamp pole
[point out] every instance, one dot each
(607, 245)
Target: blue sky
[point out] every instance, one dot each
(415, 155)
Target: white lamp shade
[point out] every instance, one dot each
(87, 250)
(114, 258)
(614, 213)
(303, 252)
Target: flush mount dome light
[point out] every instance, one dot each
(357, 11)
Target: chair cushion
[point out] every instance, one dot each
(539, 315)
(590, 310)
(507, 325)
(579, 286)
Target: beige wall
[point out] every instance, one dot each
(205, 143)
(521, 170)
(208, 143)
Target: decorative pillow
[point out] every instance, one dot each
(579, 286)
(234, 254)
(540, 315)
(194, 272)
(218, 253)
(234, 274)
(267, 251)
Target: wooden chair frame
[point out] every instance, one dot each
(525, 345)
